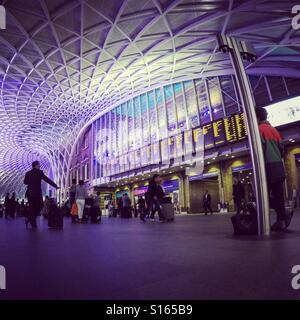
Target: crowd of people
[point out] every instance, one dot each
(13, 207)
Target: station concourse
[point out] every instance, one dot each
(142, 116)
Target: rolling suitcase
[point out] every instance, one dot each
(55, 218)
(168, 211)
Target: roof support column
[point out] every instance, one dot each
(257, 157)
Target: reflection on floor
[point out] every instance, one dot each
(196, 257)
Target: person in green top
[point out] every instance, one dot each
(275, 172)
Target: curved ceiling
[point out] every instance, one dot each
(62, 62)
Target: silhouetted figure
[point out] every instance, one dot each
(6, 205)
(141, 207)
(126, 207)
(155, 193)
(120, 205)
(80, 196)
(12, 206)
(22, 208)
(207, 202)
(238, 194)
(33, 179)
(72, 192)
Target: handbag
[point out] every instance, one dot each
(74, 209)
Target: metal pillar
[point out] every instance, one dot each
(257, 157)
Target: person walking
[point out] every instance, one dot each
(33, 179)
(275, 172)
(295, 197)
(238, 194)
(126, 206)
(141, 208)
(155, 193)
(6, 205)
(80, 196)
(12, 205)
(96, 210)
(207, 203)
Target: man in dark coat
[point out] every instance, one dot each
(207, 202)
(33, 179)
(155, 194)
(238, 194)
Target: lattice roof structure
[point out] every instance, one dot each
(63, 62)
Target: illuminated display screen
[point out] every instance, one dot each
(208, 132)
(178, 145)
(284, 112)
(188, 142)
(198, 139)
(219, 132)
(241, 126)
(171, 145)
(211, 135)
(230, 129)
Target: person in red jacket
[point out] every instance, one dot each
(275, 172)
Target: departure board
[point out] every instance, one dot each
(208, 132)
(178, 145)
(219, 132)
(241, 126)
(230, 129)
(198, 135)
(188, 142)
(171, 146)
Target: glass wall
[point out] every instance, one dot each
(153, 125)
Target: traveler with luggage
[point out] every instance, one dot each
(141, 208)
(126, 206)
(275, 172)
(33, 179)
(155, 196)
(80, 196)
(96, 210)
(207, 203)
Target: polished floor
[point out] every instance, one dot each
(196, 257)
